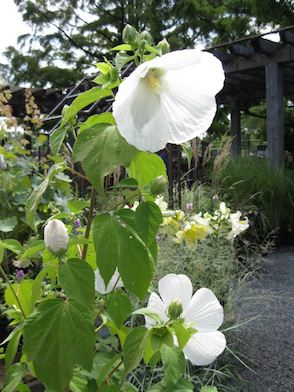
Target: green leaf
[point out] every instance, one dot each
(13, 245)
(135, 264)
(118, 246)
(182, 332)
(118, 307)
(147, 312)
(76, 206)
(107, 245)
(121, 59)
(83, 100)
(103, 364)
(126, 47)
(13, 377)
(208, 389)
(161, 335)
(36, 247)
(79, 382)
(110, 388)
(68, 328)
(56, 139)
(148, 217)
(11, 349)
(77, 280)
(145, 167)
(23, 291)
(174, 364)
(37, 284)
(104, 68)
(134, 348)
(102, 118)
(1, 252)
(101, 149)
(127, 387)
(8, 224)
(35, 197)
(183, 385)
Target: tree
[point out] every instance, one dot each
(70, 36)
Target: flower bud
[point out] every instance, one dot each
(77, 223)
(129, 34)
(64, 109)
(164, 46)
(20, 275)
(175, 309)
(56, 237)
(3, 164)
(158, 185)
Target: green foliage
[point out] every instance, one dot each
(65, 324)
(35, 197)
(250, 184)
(101, 149)
(118, 307)
(134, 347)
(13, 377)
(119, 246)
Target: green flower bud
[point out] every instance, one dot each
(129, 34)
(164, 46)
(175, 309)
(158, 185)
(64, 109)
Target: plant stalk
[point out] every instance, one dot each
(89, 223)
(13, 291)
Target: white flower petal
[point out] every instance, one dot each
(204, 347)
(156, 305)
(56, 236)
(175, 287)
(204, 311)
(175, 106)
(100, 285)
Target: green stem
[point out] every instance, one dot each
(110, 374)
(13, 291)
(89, 223)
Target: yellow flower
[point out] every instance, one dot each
(192, 233)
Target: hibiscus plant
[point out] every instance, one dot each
(77, 324)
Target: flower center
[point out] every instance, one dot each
(154, 79)
(175, 309)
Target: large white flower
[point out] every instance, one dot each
(170, 99)
(115, 282)
(56, 236)
(201, 311)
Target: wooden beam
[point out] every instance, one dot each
(261, 45)
(287, 37)
(241, 50)
(235, 128)
(275, 117)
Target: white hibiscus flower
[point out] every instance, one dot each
(238, 225)
(56, 236)
(170, 99)
(115, 282)
(201, 311)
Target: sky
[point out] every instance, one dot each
(11, 25)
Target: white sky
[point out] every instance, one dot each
(11, 25)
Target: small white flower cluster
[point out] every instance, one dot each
(191, 228)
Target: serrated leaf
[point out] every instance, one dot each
(101, 149)
(77, 280)
(106, 242)
(56, 139)
(68, 328)
(102, 118)
(35, 197)
(118, 246)
(182, 332)
(118, 307)
(83, 100)
(148, 217)
(134, 348)
(174, 364)
(145, 167)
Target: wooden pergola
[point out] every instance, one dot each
(258, 69)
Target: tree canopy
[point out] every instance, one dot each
(70, 36)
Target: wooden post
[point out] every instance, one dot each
(275, 116)
(235, 128)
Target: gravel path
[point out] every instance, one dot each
(269, 340)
